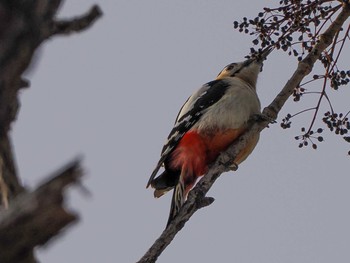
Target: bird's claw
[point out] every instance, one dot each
(263, 117)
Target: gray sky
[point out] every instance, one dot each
(112, 94)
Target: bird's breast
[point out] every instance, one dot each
(232, 111)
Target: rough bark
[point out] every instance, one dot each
(35, 217)
(24, 26)
(197, 198)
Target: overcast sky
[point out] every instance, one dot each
(112, 94)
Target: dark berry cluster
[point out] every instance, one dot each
(286, 123)
(295, 27)
(243, 26)
(297, 93)
(337, 123)
(339, 78)
(292, 27)
(309, 137)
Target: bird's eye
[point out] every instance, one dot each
(230, 67)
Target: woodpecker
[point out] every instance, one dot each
(211, 119)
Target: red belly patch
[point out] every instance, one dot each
(190, 154)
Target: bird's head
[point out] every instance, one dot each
(247, 70)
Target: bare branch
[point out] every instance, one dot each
(34, 217)
(22, 30)
(77, 24)
(196, 196)
(225, 159)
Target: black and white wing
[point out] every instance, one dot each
(193, 109)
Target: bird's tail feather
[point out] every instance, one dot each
(178, 199)
(165, 182)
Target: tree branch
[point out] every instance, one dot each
(24, 26)
(305, 66)
(197, 194)
(66, 27)
(35, 217)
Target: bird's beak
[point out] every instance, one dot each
(263, 55)
(248, 62)
(260, 57)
